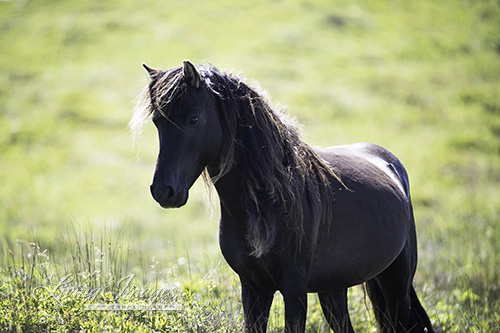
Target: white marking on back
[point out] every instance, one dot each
(388, 169)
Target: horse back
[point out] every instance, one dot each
(362, 156)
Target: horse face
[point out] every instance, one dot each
(190, 139)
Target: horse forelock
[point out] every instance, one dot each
(148, 104)
(163, 94)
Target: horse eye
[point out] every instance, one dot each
(193, 120)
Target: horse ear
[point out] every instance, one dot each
(191, 74)
(152, 72)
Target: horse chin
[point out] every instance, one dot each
(169, 205)
(177, 202)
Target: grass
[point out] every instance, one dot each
(95, 288)
(420, 78)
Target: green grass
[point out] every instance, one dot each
(420, 78)
(95, 287)
(82, 290)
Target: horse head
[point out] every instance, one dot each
(185, 115)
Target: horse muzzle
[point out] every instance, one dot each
(168, 196)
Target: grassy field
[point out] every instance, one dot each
(420, 78)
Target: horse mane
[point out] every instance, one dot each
(280, 170)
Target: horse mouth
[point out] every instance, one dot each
(168, 198)
(172, 204)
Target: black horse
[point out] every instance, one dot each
(293, 218)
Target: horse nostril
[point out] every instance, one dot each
(169, 192)
(162, 193)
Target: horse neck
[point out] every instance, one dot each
(230, 191)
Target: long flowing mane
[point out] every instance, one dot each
(284, 178)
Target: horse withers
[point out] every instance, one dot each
(294, 219)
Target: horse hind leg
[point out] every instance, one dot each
(334, 306)
(419, 315)
(395, 303)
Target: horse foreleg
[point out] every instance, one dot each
(295, 297)
(334, 307)
(256, 306)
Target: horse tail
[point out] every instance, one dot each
(378, 304)
(418, 314)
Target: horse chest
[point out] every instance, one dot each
(233, 249)
(264, 272)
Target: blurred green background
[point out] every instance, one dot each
(421, 78)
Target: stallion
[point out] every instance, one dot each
(294, 218)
